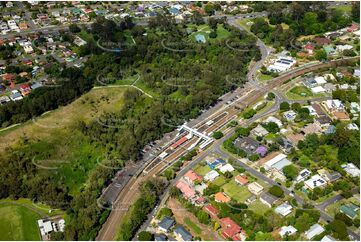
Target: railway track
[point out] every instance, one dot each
(128, 196)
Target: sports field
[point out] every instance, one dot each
(18, 223)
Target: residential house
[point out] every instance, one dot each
(160, 237)
(334, 105)
(318, 89)
(166, 224)
(214, 163)
(314, 230)
(28, 49)
(323, 121)
(24, 89)
(322, 41)
(15, 95)
(309, 82)
(331, 129)
(226, 168)
(277, 162)
(290, 115)
(241, 180)
(259, 131)
(329, 87)
(188, 192)
(200, 188)
(268, 199)
(211, 176)
(309, 48)
(231, 230)
(354, 107)
(212, 211)
(305, 173)
(220, 197)
(329, 50)
(341, 115)
(284, 209)
(351, 169)
(255, 188)
(274, 120)
(328, 238)
(312, 128)
(251, 199)
(329, 177)
(191, 177)
(352, 126)
(287, 231)
(295, 138)
(4, 100)
(247, 144)
(182, 234)
(350, 210)
(315, 181)
(311, 110)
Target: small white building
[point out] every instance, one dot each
(351, 169)
(334, 105)
(318, 89)
(305, 173)
(314, 230)
(315, 181)
(290, 115)
(255, 188)
(311, 110)
(320, 80)
(273, 119)
(352, 126)
(211, 176)
(28, 49)
(287, 230)
(259, 131)
(284, 209)
(226, 167)
(328, 238)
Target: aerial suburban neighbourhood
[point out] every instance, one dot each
(180, 120)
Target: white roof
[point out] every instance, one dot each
(226, 167)
(315, 229)
(311, 110)
(284, 209)
(290, 115)
(320, 80)
(315, 181)
(328, 238)
(303, 175)
(352, 126)
(351, 169)
(318, 89)
(287, 230)
(274, 160)
(210, 176)
(334, 103)
(275, 120)
(255, 187)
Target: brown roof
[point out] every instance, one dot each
(241, 179)
(294, 138)
(312, 128)
(318, 109)
(322, 41)
(341, 115)
(268, 157)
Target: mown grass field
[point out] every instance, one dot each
(205, 30)
(18, 223)
(237, 192)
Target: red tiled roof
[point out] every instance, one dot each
(211, 210)
(309, 47)
(191, 175)
(230, 229)
(353, 27)
(187, 191)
